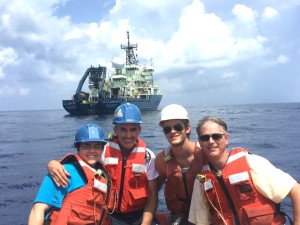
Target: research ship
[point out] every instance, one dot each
(128, 82)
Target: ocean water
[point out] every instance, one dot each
(29, 139)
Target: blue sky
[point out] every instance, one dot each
(204, 52)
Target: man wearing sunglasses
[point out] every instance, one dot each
(236, 187)
(178, 164)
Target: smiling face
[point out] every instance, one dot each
(127, 134)
(90, 152)
(175, 131)
(213, 148)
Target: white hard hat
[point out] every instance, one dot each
(172, 112)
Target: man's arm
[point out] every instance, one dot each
(37, 214)
(295, 197)
(152, 201)
(58, 173)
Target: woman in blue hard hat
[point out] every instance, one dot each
(132, 169)
(88, 188)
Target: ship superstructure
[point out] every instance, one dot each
(128, 82)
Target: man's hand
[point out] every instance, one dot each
(58, 173)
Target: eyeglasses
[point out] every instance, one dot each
(215, 137)
(90, 147)
(177, 127)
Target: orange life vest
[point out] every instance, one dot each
(86, 205)
(128, 175)
(248, 205)
(179, 186)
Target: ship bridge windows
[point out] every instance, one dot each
(118, 78)
(118, 71)
(149, 70)
(132, 69)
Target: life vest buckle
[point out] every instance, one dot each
(201, 177)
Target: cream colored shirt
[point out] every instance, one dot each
(270, 181)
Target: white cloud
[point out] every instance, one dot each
(282, 59)
(270, 13)
(278, 60)
(204, 39)
(244, 14)
(195, 48)
(7, 56)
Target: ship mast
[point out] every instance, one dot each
(129, 49)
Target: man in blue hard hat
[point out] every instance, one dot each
(132, 169)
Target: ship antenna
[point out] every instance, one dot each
(129, 49)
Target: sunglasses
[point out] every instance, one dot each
(215, 137)
(177, 127)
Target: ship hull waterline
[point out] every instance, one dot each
(106, 108)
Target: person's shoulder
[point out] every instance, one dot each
(77, 178)
(164, 155)
(73, 168)
(149, 155)
(257, 158)
(198, 149)
(161, 160)
(70, 166)
(165, 151)
(241, 150)
(150, 151)
(259, 163)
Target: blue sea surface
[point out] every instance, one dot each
(29, 139)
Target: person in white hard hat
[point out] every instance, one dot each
(178, 164)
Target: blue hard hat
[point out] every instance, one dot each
(89, 132)
(127, 113)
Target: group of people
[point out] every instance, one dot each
(116, 180)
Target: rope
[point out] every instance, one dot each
(114, 204)
(202, 179)
(220, 214)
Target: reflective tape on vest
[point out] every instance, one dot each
(208, 185)
(236, 156)
(139, 149)
(84, 164)
(239, 177)
(111, 161)
(99, 185)
(114, 145)
(138, 168)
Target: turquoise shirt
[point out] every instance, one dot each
(52, 195)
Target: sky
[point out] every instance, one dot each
(205, 52)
